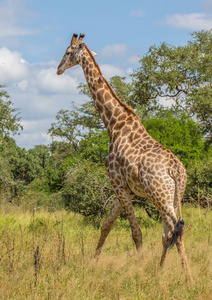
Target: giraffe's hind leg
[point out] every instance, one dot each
(183, 258)
(169, 226)
(107, 226)
(164, 242)
(170, 220)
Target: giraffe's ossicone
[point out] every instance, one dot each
(136, 163)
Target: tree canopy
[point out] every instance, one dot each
(10, 121)
(181, 74)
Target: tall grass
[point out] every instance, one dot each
(50, 256)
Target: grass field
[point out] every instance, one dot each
(50, 256)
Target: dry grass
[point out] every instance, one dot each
(50, 256)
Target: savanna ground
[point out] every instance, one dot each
(47, 255)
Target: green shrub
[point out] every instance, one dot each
(199, 187)
(87, 189)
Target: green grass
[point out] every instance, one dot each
(64, 267)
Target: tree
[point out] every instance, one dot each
(182, 74)
(41, 155)
(123, 89)
(74, 124)
(23, 166)
(179, 133)
(10, 122)
(94, 146)
(66, 127)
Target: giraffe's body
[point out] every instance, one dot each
(136, 164)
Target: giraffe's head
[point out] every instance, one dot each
(73, 54)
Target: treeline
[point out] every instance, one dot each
(171, 91)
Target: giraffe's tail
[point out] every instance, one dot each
(178, 231)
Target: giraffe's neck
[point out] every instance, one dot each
(109, 106)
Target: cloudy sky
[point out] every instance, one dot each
(35, 33)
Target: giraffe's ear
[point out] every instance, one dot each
(94, 53)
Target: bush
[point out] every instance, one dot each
(87, 189)
(199, 187)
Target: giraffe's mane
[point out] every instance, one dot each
(95, 63)
(127, 107)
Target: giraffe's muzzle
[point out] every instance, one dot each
(59, 71)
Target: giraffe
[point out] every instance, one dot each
(136, 163)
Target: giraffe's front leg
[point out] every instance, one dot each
(125, 198)
(107, 226)
(136, 231)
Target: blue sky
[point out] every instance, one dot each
(35, 33)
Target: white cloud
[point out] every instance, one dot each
(134, 59)
(114, 50)
(23, 84)
(12, 67)
(195, 21)
(109, 71)
(34, 133)
(29, 140)
(48, 81)
(11, 11)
